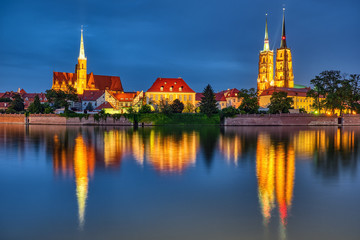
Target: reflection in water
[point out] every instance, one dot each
(78, 152)
(170, 153)
(275, 170)
(82, 158)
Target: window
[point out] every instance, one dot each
(181, 88)
(184, 98)
(171, 88)
(171, 97)
(189, 97)
(156, 97)
(162, 88)
(180, 97)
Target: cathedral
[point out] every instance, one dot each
(81, 80)
(269, 82)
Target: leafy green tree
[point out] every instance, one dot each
(208, 104)
(280, 103)
(189, 108)
(164, 106)
(36, 106)
(5, 100)
(177, 106)
(145, 109)
(340, 93)
(229, 112)
(17, 104)
(47, 108)
(249, 100)
(61, 98)
(89, 107)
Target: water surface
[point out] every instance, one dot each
(61, 182)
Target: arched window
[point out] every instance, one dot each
(162, 88)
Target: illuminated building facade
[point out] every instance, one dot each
(82, 81)
(284, 76)
(266, 70)
(169, 89)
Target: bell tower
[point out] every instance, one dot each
(81, 68)
(284, 76)
(266, 61)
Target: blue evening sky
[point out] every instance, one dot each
(211, 41)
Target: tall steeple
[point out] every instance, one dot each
(284, 76)
(266, 61)
(283, 35)
(266, 40)
(81, 75)
(82, 50)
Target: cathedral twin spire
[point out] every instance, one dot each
(283, 76)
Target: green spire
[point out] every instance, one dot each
(283, 35)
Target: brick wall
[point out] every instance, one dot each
(53, 119)
(281, 120)
(12, 118)
(351, 120)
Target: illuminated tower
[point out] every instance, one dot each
(284, 76)
(81, 68)
(266, 71)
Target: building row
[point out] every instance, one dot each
(98, 92)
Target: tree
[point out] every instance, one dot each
(340, 93)
(189, 108)
(17, 104)
(177, 106)
(165, 107)
(36, 106)
(229, 111)
(208, 104)
(61, 98)
(145, 109)
(89, 107)
(280, 103)
(249, 100)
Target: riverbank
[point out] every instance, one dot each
(150, 119)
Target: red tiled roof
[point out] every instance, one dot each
(99, 82)
(30, 96)
(91, 95)
(218, 96)
(170, 85)
(301, 92)
(124, 96)
(104, 105)
(230, 92)
(1, 95)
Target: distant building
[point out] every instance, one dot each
(297, 94)
(283, 80)
(27, 97)
(82, 81)
(225, 98)
(169, 89)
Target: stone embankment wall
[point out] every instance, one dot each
(53, 119)
(12, 118)
(281, 120)
(351, 120)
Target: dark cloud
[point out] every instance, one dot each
(214, 42)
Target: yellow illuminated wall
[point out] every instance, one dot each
(284, 76)
(266, 71)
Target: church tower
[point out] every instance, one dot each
(266, 71)
(81, 68)
(284, 76)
